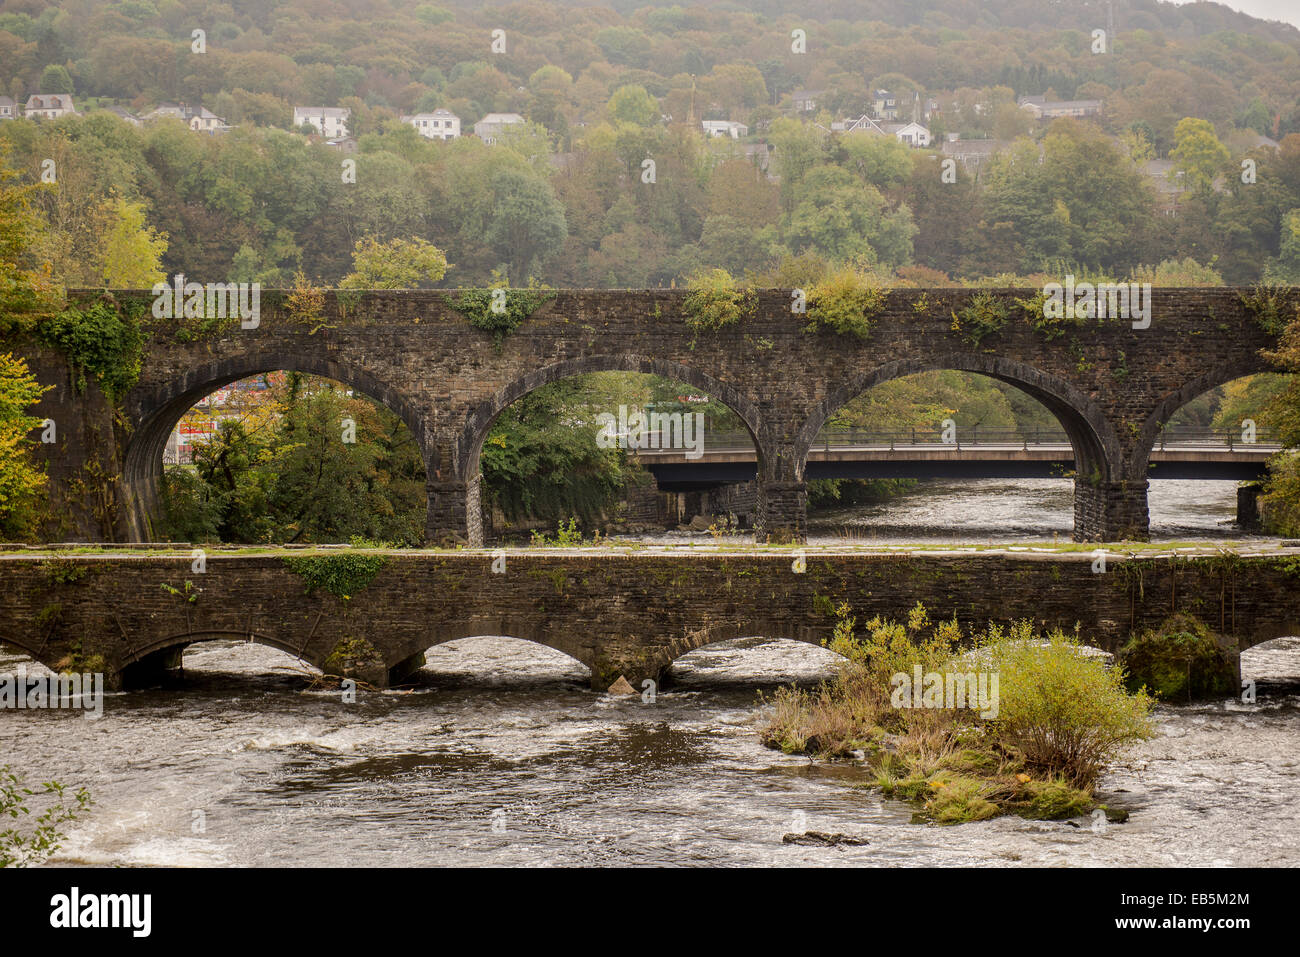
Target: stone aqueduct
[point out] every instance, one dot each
(1111, 386)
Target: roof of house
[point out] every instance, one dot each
(501, 118)
(863, 124)
(439, 113)
(49, 101)
(899, 127)
(7, 101)
(325, 111)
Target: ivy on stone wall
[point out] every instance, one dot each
(341, 575)
(102, 339)
(499, 311)
(984, 315)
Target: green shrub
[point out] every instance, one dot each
(1054, 711)
(1065, 712)
(845, 302)
(499, 315)
(714, 300)
(984, 315)
(1271, 306)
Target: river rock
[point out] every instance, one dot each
(822, 839)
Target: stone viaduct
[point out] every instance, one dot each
(620, 612)
(1110, 385)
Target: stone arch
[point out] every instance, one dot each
(1096, 447)
(186, 638)
(516, 627)
(469, 446)
(663, 656)
(481, 418)
(716, 634)
(1193, 389)
(153, 413)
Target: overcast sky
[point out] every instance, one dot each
(1286, 10)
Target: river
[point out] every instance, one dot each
(501, 755)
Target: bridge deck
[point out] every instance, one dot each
(680, 467)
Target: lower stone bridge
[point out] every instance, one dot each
(371, 615)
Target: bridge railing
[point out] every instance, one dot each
(829, 440)
(1228, 438)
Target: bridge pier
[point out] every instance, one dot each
(1248, 506)
(455, 514)
(1110, 511)
(782, 512)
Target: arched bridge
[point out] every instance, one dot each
(1111, 386)
(630, 612)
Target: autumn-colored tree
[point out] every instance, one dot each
(27, 288)
(21, 479)
(1197, 153)
(133, 250)
(396, 264)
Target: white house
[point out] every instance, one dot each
(49, 106)
(330, 121)
(201, 120)
(913, 134)
(8, 108)
(490, 127)
(725, 128)
(439, 125)
(198, 118)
